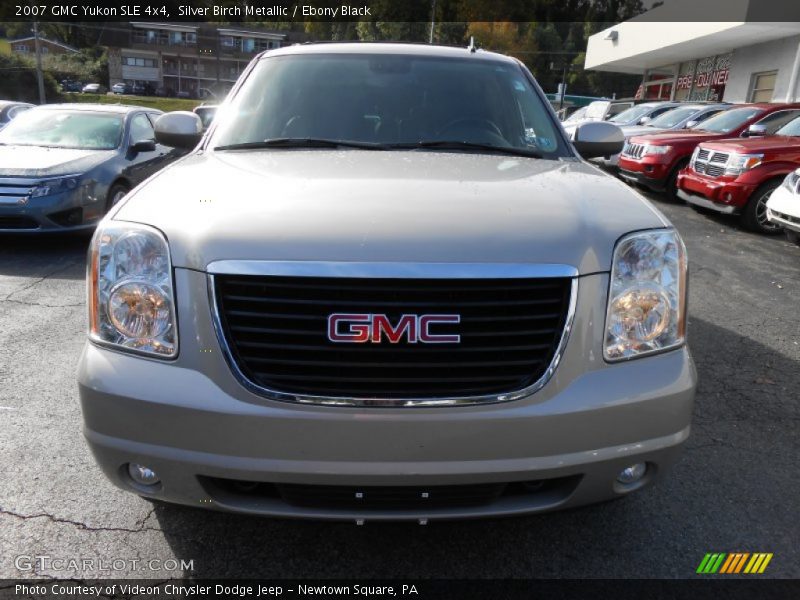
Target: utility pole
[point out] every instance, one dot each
(37, 47)
(433, 20)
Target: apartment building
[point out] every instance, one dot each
(185, 59)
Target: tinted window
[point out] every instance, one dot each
(616, 109)
(729, 120)
(672, 118)
(64, 129)
(791, 128)
(390, 99)
(776, 120)
(631, 114)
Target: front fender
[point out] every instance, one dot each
(766, 171)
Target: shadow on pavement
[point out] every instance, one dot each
(734, 490)
(51, 255)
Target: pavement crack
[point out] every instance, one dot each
(140, 525)
(42, 304)
(40, 280)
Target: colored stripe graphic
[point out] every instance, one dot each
(711, 563)
(734, 563)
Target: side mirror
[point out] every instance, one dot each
(597, 138)
(180, 129)
(756, 130)
(144, 146)
(644, 120)
(691, 124)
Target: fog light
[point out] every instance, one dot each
(142, 475)
(632, 474)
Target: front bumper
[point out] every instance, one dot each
(783, 208)
(193, 423)
(645, 171)
(724, 195)
(66, 211)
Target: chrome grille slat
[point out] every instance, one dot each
(276, 330)
(710, 163)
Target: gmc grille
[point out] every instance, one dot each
(275, 328)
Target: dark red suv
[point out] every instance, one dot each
(737, 176)
(655, 160)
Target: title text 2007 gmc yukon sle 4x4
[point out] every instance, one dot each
(655, 160)
(738, 176)
(385, 286)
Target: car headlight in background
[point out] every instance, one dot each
(739, 163)
(48, 187)
(657, 150)
(792, 182)
(647, 296)
(131, 298)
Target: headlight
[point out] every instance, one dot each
(792, 182)
(739, 163)
(656, 149)
(48, 187)
(131, 299)
(647, 297)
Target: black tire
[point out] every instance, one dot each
(115, 194)
(754, 215)
(792, 236)
(671, 187)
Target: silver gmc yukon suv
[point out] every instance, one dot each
(385, 285)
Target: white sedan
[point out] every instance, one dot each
(783, 206)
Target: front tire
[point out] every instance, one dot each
(792, 236)
(754, 216)
(115, 195)
(671, 187)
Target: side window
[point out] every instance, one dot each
(660, 111)
(141, 129)
(615, 109)
(704, 116)
(776, 120)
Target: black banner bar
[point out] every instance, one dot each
(714, 588)
(414, 11)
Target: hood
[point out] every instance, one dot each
(689, 136)
(39, 161)
(754, 145)
(368, 206)
(632, 130)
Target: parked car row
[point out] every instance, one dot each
(725, 158)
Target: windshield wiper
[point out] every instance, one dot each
(457, 145)
(299, 143)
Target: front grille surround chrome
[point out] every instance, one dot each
(710, 162)
(391, 270)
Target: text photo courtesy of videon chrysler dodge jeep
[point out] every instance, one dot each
(440, 298)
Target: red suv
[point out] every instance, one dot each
(738, 176)
(655, 160)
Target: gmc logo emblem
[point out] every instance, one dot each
(365, 328)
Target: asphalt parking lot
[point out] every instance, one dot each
(736, 488)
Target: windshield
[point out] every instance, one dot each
(673, 117)
(729, 120)
(382, 101)
(791, 128)
(576, 116)
(64, 129)
(634, 113)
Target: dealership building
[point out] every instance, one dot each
(740, 59)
